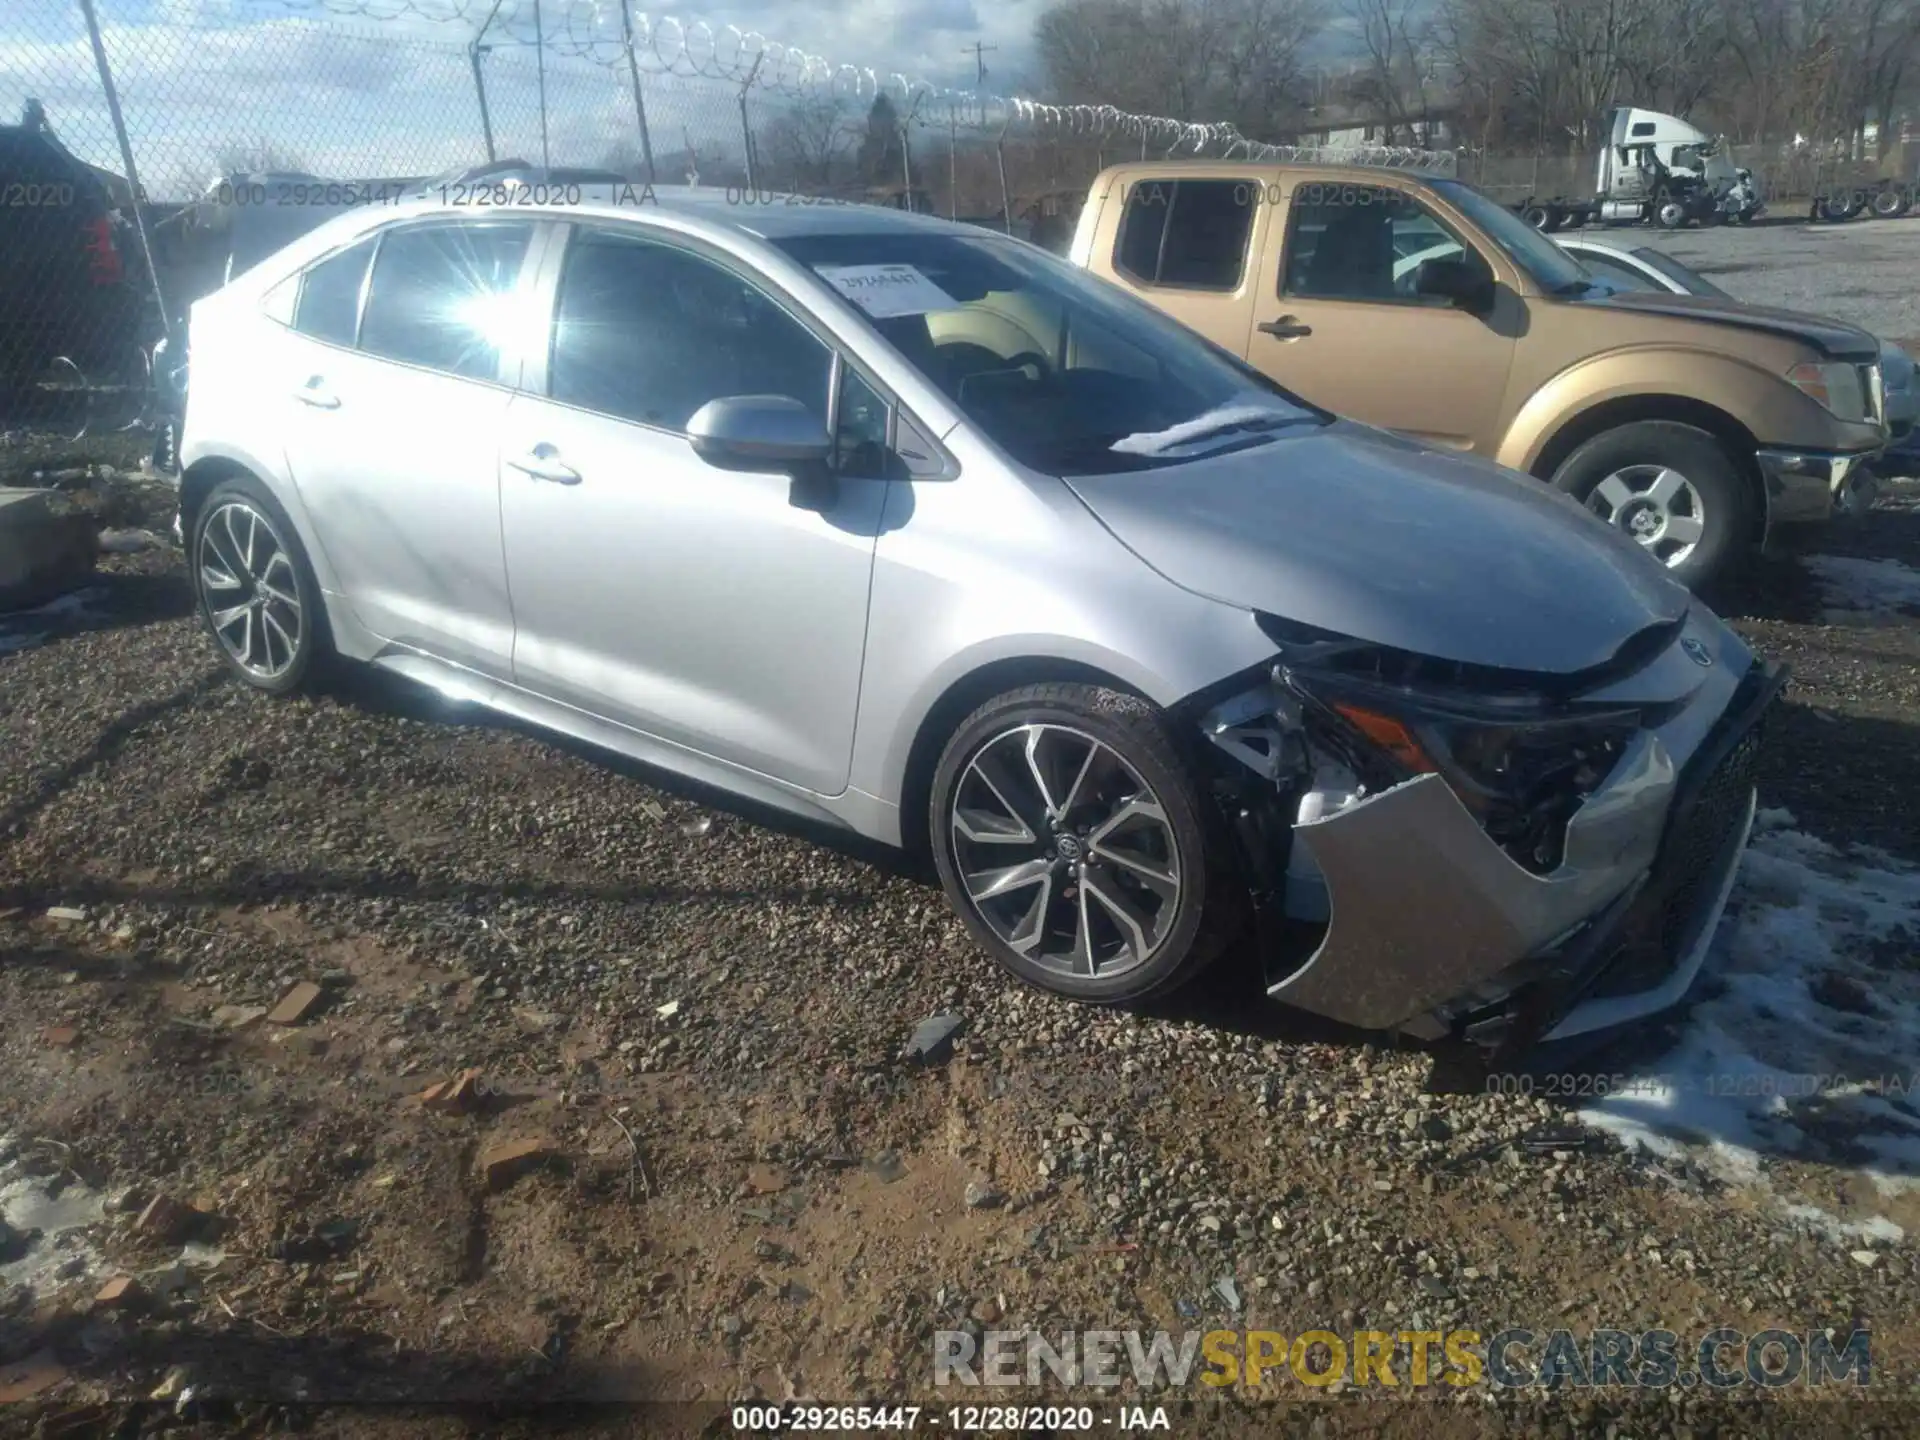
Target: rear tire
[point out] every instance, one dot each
(1075, 842)
(1538, 216)
(1694, 525)
(1891, 203)
(256, 591)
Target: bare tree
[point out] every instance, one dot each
(1232, 60)
(812, 142)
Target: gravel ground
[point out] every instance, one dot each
(750, 1189)
(1862, 272)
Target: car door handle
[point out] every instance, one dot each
(543, 463)
(1285, 328)
(316, 394)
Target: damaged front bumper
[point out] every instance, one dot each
(1433, 931)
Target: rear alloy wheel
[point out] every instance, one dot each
(1074, 843)
(1669, 487)
(257, 594)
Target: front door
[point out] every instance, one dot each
(701, 606)
(1342, 323)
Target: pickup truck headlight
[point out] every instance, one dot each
(1844, 390)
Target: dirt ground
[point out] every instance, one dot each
(744, 1188)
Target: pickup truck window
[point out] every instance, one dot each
(1553, 269)
(1362, 242)
(1190, 234)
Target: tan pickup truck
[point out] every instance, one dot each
(1416, 303)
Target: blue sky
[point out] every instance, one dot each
(353, 95)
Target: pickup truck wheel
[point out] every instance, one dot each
(1670, 487)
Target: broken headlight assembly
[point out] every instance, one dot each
(1353, 719)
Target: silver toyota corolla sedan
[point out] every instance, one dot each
(916, 529)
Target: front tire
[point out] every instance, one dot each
(1072, 838)
(257, 594)
(1671, 487)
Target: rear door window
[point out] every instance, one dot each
(1186, 234)
(441, 296)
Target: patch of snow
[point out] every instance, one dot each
(54, 1219)
(1205, 428)
(128, 542)
(1852, 588)
(1804, 1045)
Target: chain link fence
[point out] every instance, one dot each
(171, 141)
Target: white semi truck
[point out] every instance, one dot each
(1654, 169)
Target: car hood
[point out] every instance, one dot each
(1360, 532)
(1830, 337)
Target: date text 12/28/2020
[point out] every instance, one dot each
(960, 1419)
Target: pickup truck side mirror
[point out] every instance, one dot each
(1467, 287)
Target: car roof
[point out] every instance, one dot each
(767, 215)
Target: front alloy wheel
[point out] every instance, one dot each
(1071, 838)
(1065, 851)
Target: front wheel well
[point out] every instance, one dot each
(1738, 441)
(960, 700)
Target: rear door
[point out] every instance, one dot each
(395, 381)
(1341, 321)
(1188, 245)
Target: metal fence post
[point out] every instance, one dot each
(633, 74)
(746, 126)
(137, 193)
(953, 165)
(1000, 162)
(478, 48)
(540, 69)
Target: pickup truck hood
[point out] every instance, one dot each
(1356, 531)
(1830, 337)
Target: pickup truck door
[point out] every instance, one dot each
(1339, 321)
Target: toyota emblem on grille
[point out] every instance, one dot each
(1696, 652)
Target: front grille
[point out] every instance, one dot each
(1664, 923)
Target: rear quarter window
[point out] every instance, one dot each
(1186, 234)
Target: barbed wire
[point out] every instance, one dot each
(605, 32)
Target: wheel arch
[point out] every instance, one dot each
(960, 699)
(212, 468)
(1735, 438)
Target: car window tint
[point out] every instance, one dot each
(1362, 242)
(440, 296)
(649, 332)
(1187, 233)
(329, 303)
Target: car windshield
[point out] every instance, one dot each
(1553, 269)
(1066, 373)
(1690, 281)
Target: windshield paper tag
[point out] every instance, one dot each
(884, 291)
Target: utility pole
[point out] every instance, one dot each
(979, 52)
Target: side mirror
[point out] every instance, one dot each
(1452, 279)
(758, 432)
